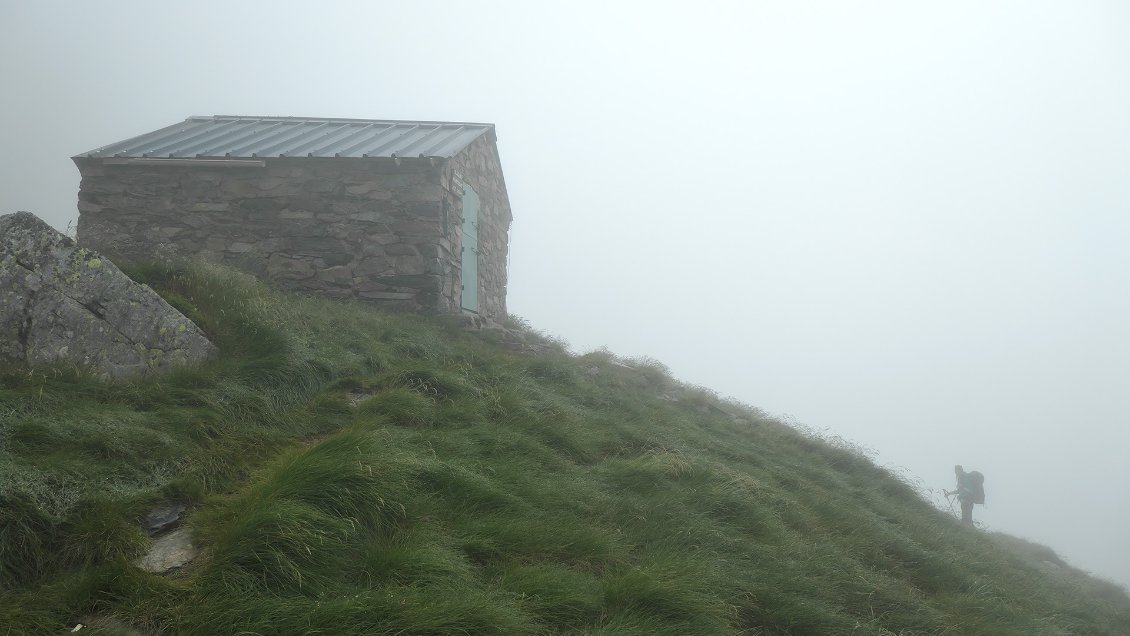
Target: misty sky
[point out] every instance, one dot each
(906, 223)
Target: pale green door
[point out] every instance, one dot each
(470, 261)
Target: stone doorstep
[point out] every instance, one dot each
(332, 292)
(379, 295)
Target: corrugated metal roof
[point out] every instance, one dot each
(222, 136)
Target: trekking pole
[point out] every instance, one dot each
(949, 499)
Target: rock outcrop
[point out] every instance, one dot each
(64, 303)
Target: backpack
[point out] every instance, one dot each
(977, 480)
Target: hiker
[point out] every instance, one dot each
(970, 490)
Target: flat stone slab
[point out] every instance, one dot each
(163, 517)
(169, 552)
(63, 303)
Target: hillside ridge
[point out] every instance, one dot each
(347, 471)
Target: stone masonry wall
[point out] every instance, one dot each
(478, 165)
(348, 228)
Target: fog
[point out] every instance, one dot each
(905, 223)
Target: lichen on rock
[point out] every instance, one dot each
(64, 303)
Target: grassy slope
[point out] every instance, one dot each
(474, 490)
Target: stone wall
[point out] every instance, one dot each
(373, 229)
(478, 165)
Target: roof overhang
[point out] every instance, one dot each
(206, 163)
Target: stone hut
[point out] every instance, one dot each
(408, 214)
